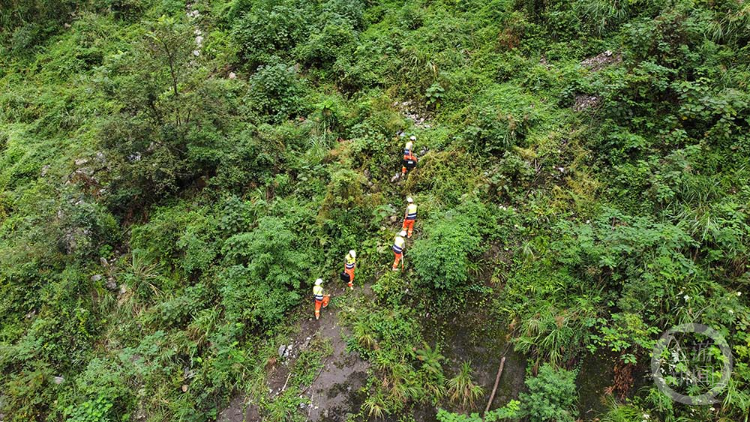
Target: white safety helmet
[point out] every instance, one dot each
(402, 233)
(413, 138)
(409, 200)
(318, 282)
(352, 253)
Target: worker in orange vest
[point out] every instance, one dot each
(349, 265)
(410, 160)
(398, 250)
(321, 299)
(410, 217)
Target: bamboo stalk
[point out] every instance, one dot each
(497, 381)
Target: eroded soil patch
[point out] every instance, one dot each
(334, 392)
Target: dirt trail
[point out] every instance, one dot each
(335, 390)
(239, 411)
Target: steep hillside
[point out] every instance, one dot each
(174, 176)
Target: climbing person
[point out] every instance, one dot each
(410, 160)
(349, 266)
(398, 250)
(321, 299)
(410, 216)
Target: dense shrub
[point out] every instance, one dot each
(275, 90)
(508, 412)
(270, 29)
(442, 257)
(551, 396)
(264, 269)
(29, 23)
(336, 39)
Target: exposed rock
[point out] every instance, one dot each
(582, 102)
(59, 380)
(602, 60)
(45, 170)
(282, 349)
(418, 120)
(111, 284)
(232, 75)
(81, 161)
(96, 277)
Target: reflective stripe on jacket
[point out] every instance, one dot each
(398, 244)
(411, 212)
(350, 262)
(318, 292)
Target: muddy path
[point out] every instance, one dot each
(334, 391)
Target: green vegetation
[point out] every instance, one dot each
(462, 389)
(174, 175)
(508, 412)
(552, 395)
